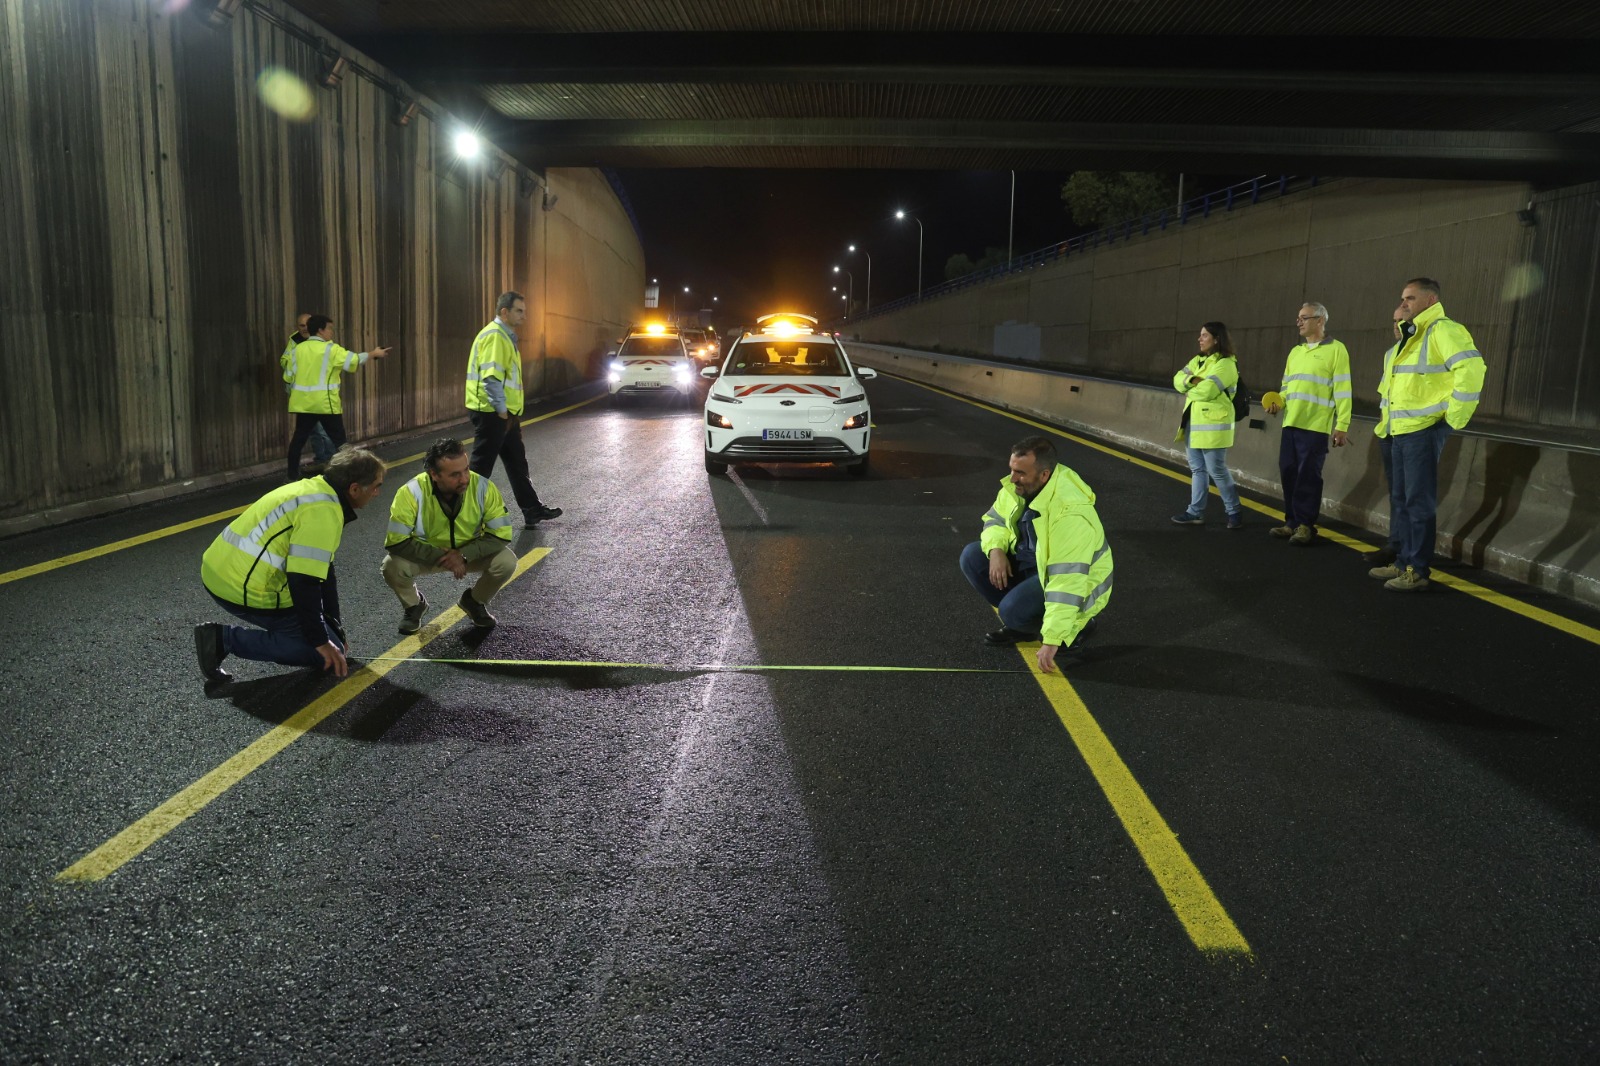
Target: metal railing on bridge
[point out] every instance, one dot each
(1253, 191)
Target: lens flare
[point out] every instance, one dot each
(1522, 281)
(286, 94)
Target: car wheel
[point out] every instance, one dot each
(714, 467)
(860, 469)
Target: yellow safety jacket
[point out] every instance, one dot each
(293, 529)
(1316, 387)
(1072, 553)
(1209, 405)
(494, 355)
(416, 512)
(313, 369)
(1435, 373)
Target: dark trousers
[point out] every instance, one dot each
(1414, 466)
(1386, 449)
(304, 424)
(278, 640)
(1301, 453)
(1021, 603)
(496, 437)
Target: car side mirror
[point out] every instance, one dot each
(709, 372)
(866, 373)
(611, 355)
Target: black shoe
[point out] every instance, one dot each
(532, 516)
(1382, 557)
(209, 651)
(476, 611)
(412, 620)
(1085, 635)
(1004, 636)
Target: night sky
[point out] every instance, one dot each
(766, 239)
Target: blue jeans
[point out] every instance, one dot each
(1414, 493)
(1386, 449)
(1301, 453)
(1210, 464)
(279, 639)
(1021, 603)
(321, 444)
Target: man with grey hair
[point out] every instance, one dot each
(1316, 408)
(494, 403)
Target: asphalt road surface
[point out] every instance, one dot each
(1349, 825)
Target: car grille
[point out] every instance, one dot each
(820, 449)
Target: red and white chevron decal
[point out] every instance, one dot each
(650, 362)
(787, 386)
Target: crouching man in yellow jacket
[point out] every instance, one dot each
(448, 519)
(1042, 559)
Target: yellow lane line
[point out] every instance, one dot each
(132, 841)
(1461, 584)
(183, 527)
(1190, 898)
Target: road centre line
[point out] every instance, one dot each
(1497, 599)
(220, 516)
(700, 668)
(1190, 897)
(136, 838)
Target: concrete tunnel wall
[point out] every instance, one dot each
(1527, 511)
(160, 227)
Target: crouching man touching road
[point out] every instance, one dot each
(1042, 559)
(273, 567)
(448, 519)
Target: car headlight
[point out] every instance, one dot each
(619, 366)
(716, 421)
(860, 421)
(613, 377)
(681, 373)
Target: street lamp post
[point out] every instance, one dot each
(918, 221)
(852, 294)
(869, 273)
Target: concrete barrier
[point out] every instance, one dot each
(1527, 510)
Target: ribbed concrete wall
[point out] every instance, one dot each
(160, 227)
(1132, 310)
(1526, 511)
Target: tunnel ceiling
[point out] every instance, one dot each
(1477, 89)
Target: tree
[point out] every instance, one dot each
(1096, 197)
(958, 265)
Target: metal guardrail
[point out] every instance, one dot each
(1253, 191)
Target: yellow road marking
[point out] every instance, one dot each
(1190, 898)
(132, 841)
(184, 527)
(699, 668)
(1489, 596)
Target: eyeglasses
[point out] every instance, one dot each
(1305, 318)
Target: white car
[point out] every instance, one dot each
(788, 394)
(651, 362)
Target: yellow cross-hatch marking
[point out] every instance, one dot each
(1461, 584)
(1187, 892)
(195, 523)
(703, 668)
(136, 838)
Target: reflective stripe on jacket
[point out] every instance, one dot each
(1316, 387)
(416, 512)
(1436, 373)
(293, 529)
(1072, 553)
(1209, 404)
(313, 370)
(494, 355)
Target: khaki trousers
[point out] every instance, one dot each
(496, 570)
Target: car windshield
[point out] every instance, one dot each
(762, 355)
(668, 346)
(693, 336)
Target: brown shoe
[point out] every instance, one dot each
(1410, 581)
(1281, 532)
(1303, 536)
(1384, 573)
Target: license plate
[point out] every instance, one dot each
(647, 384)
(786, 434)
